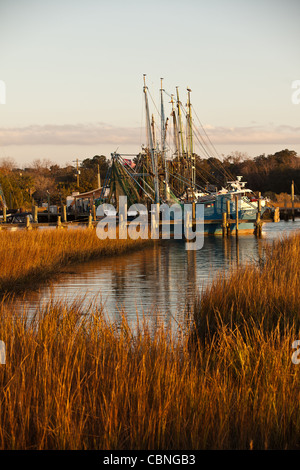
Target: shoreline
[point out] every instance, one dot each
(29, 258)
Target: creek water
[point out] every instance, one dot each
(159, 281)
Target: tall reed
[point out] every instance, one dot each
(28, 257)
(75, 380)
(266, 293)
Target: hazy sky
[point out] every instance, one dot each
(74, 69)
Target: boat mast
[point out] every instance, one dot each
(180, 122)
(181, 133)
(163, 141)
(176, 135)
(151, 146)
(190, 133)
(153, 132)
(177, 145)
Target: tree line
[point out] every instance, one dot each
(43, 179)
(269, 174)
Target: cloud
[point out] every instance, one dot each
(101, 133)
(255, 134)
(69, 134)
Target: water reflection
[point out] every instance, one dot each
(163, 279)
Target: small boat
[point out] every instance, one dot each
(19, 218)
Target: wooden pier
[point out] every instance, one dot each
(34, 220)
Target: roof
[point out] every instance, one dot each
(89, 194)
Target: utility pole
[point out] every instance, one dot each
(99, 177)
(78, 171)
(293, 200)
(48, 198)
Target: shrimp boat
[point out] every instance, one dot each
(154, 177)
(225, 200)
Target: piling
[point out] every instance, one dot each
(258, 225)
(187, 225)
(224, 224)
(194, 212)
(4, 214)
(94, 212)
(64, 213)
(90, 223)
(58, 225)
(28, 224)
(155, 221)
(293, 201)
(276, 216)
(48, 207)
(258, 222)
(35, 214)
(228, 217)
(236, 199)
(259, 203)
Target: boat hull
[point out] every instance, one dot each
(245, 228)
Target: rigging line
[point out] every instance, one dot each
(131, 176)
(219, 168)
(168, 94)
(184, 180)
(199, 137)
(226, 172)
(143, 125)
(154, 103)
(204, 145)
(212, 145)
(205, 175)
(201, 144)
(195, 128)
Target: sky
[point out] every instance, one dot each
(73, 74)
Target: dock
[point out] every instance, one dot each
(227, 226)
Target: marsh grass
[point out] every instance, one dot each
(265, 294)
(30, 257)
(75, 380)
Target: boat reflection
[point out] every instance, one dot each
(162, 280)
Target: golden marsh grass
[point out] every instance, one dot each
(74, 380)
(29, 257)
